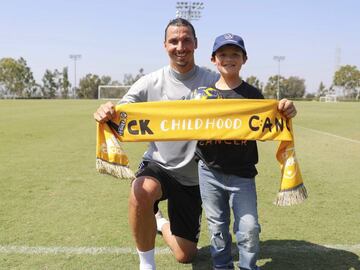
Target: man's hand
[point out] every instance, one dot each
(287, 108)
(105, 112)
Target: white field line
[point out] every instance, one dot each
(73, 250)
(128, 250)
(329, 134)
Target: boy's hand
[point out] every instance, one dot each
(287, 107)
(105, 112)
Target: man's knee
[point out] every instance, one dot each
(186, 256)
(145, 191)
(185, 250)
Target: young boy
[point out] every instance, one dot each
(227, 168)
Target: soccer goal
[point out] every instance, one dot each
(112, 92)
(328, 98)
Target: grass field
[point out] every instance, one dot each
(57, 212)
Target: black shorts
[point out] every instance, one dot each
(184, 202)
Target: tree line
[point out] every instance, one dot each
(17, 81)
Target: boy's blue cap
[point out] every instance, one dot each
(228, 39)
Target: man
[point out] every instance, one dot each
(168, 171)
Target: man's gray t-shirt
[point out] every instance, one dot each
(167, 84)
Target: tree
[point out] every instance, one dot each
(50, 85)
(271, 88)
(105, 80)
(347, 77)
(139, 75)
(254, 81)
(294, 87)
(130, 80)
(2, 90)
(56, 84)
(115, 82)
(310, 96)
(331, 90)
(16, 77)
(65, 83)
(322, 91)
(89, 85)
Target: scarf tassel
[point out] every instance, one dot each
(291, 197)
(116, 170)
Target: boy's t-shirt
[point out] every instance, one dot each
(232, 156)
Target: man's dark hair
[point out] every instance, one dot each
(180, 22)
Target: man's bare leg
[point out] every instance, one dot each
(184, 250)
(144, 192)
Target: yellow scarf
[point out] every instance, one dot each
(225, 119)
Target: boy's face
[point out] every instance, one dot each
(180, 45)
(228, 60)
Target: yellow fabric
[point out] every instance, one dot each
(110, 157)
(225, 119)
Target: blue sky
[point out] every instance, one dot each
(118, 37)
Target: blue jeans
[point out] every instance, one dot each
(219, 193)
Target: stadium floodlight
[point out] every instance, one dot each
(75, 57)
(189, 10)
(279, 59)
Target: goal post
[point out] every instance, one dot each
(112, 92)
(328, 98)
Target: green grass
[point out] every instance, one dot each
(51, 195)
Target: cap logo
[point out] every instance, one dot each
(228, 36)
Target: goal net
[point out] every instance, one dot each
(328, 98)
(112, 91)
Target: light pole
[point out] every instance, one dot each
(75, 57)
(279, 59)
(189, 10)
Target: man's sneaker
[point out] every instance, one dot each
(159, 215)
(160, 221)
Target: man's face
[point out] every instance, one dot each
(180, 45)
(228, 60)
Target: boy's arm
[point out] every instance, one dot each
(287, 107)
